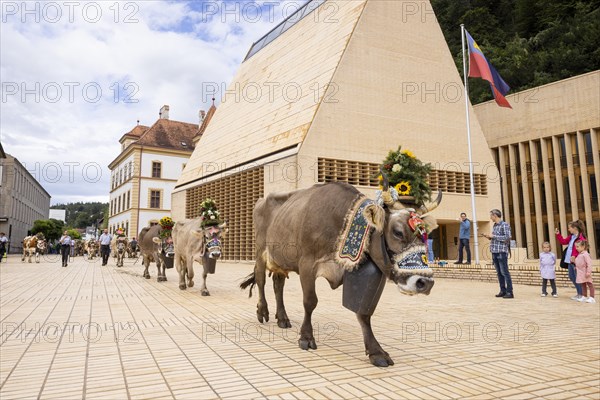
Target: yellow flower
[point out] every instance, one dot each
(408, 153)
(403, 188)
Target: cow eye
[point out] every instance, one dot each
(398, 233)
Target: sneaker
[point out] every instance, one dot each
(582, 299)
(501, 294)
(591, 300)
(544, 294)
(508, 296)
(554, 295)
(575, 298)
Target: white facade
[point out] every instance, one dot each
(60, 215)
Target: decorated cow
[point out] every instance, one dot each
(198, 240)
(34, 246)
(92, 246)
(156, 245)
(336, 232)
(120, 246)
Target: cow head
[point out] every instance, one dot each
(210, 239)
(399, 244)
(121, 245)
(41, 246)
(164, 246)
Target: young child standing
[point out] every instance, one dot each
(547, 265)
(583, 263)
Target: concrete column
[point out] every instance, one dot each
(526, 200)
(587, 202)
(562, 213)
(515, 195)
(571, 174)
(505, 194)
(596, 158)
(548, 194)
(537, 200)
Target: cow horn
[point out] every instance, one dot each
(427, 208)
(386, 181)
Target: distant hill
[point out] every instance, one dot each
(80, 215)
(529, 42)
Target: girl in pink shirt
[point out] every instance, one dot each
(583, 263)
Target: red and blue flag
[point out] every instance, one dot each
(479, 67)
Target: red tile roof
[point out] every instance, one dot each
(168, 134)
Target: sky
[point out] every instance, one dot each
(78, 75)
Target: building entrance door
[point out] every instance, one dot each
(440, 244)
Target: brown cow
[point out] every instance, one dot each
(194, 243)
(300, 231)
(154, 248)
(121, 248)
(91, 246)
(34, 245)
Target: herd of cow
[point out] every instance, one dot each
(331, 231)
(35, 246)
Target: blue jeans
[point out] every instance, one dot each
(501, 263)
(573, 278)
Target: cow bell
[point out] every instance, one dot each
(363, 287)
(209, 263)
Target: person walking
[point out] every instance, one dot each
(583, 264)
(105, 239)
(464, 236)
(65, 247)
(3, 244)
(548, 269)
(576, 230)
(499, 247)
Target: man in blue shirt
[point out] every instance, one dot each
(464, 236)
(105, 239)
(499, 247)
(65, 247)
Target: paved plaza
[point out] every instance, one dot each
(86, 332)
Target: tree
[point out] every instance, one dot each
(74, 233)
(52, 229)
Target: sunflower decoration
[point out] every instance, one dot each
(166, 223)
(407, 175)
(209, 214)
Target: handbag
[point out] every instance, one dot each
(563, 264)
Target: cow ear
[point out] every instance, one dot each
(431, 223)
(375, 216)
(198, 234)
(156, 240)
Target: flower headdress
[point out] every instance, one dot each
(209, 214)
(407, 175)
(166, 223)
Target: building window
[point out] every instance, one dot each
(129, 199)
(154, 198)
(156, 169)
(119, 207)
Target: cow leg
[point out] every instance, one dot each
(307, 279)
(23, 258)
(146, 265)
(260, 276)
(203, 289)
(190, 271)
(282, 319)
(181, 269)
(373, 349)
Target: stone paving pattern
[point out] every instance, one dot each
(92, 332)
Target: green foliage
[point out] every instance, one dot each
(529, 42)
(407, 174)
(81, 215)
(51, 228)
(74, 233)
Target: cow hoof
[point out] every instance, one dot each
(191, 284)
(182, 286)
(284, 323)
(147, 276)
(381, 360)
(263, 316)
(306, 344)
(205, 293)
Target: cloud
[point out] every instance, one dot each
(76, 76)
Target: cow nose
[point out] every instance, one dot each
(215, 254)
(424, 285)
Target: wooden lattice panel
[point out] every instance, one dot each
(235, 197)
(365, 174)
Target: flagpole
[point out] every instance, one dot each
(475, 235)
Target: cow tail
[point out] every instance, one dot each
(249, 281)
